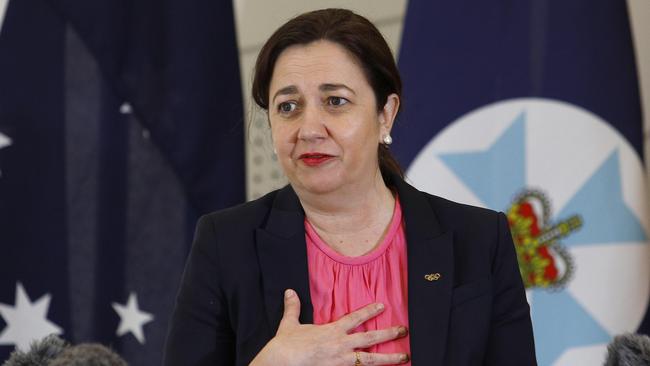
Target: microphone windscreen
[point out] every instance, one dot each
(629, 350)
(88, 354)
(40, 353)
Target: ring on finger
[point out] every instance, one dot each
(357, 362)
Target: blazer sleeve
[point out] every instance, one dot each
(511, 334)
(200, 332)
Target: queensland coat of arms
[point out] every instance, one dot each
(543, 261)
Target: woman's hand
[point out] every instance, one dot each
(298, 344)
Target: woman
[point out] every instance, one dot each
(348, 264)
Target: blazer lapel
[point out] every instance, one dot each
(282, 254)
(430, 276)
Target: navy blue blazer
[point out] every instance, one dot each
(243, 258)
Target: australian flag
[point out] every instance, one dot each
(120, 123)
(532, 108)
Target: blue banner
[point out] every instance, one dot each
(120, 123)
(532, 108)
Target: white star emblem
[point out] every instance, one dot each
(3, 10)
(4, 139)
(26, 321)
(131, 318)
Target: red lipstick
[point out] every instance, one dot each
(315, 158)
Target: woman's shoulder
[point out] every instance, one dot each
(251, 213)
(447, 207)
(471, 224)
(452, 214)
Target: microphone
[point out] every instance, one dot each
(53, 351)
(40, 352)
(628, 350)
(88, 354)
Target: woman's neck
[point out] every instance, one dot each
(351, 222)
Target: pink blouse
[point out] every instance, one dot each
(340, 285)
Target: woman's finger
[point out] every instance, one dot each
(370, 338)
(378, 358)
(291, 309)
(356, 318)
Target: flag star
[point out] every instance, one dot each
(473, 166)
(4, 140)
(132, 319)
(26, 321)
(3, 11)
(126, 108)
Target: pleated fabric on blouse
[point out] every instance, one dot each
(340, 285)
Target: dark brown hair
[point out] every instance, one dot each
(354, 33)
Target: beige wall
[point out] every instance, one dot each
(640, 18)
(257, 19)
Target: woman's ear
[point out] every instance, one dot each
(387, 115)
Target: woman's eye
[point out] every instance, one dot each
(287, 107)
(337, 101)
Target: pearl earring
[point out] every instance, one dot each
(387, 140)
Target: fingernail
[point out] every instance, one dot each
(380, 307)
(405, 358)
(402, 331)
(288, 293)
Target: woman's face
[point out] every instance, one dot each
(324, 120)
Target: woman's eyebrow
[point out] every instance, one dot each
(287, 90)
(332, 87)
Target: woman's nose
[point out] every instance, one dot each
(313, 124)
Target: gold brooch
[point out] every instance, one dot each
(432, 276)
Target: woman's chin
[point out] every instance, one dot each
(318, 185)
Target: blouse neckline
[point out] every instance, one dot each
(362, 259)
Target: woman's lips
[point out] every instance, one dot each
(314, 159)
